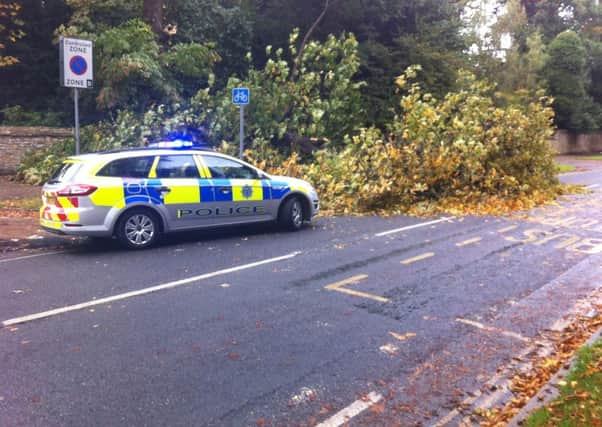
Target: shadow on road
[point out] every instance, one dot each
(177, 238)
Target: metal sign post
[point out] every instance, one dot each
(76, 105)
(242, 132)
(76, 68)
(241, 96)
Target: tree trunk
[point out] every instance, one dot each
(153, 15)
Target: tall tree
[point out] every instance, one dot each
(10, 30)
(34, 81)
(392, 35)
(153, 15)
(518, 51)
(566, 72)
(230, 27)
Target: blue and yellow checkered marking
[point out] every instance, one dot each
(280, 189)
(247, 190)
(222, 184)
(239, 190)
(206, 192)
(186, 191)
(136, 191)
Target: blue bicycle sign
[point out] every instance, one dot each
(241, 96)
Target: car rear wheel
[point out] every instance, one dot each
(138, 229)
(291, 214)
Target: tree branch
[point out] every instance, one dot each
(306, 38)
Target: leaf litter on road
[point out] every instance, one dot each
(525, 385)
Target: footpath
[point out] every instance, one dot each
(19, 221)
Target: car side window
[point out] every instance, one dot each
(177, 166)
(130, 167)
(222, 168)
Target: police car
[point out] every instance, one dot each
(136, 194)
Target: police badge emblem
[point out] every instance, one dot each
(247, 192)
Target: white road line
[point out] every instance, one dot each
(502, 378)
(492, 329)
(356, 408)
(590, 187)
(31, 256)
(145, 291)
(411, 227)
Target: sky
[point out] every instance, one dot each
(486, 10)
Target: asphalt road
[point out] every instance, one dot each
(253, 326)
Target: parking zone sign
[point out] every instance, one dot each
(76, 63)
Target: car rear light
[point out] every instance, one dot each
(76, 190)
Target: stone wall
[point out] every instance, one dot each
(565, 142)
(15, 141)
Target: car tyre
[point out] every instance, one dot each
(138, 229)
(291, 214)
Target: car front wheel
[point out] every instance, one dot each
(291, 215)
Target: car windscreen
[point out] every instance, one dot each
(64, 173)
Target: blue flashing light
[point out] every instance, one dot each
(179, 136)
(175, 144)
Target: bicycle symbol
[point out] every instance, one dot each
(240, 96)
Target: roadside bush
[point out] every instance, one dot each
(37, 165)
(320, 102)
(468, 154)
(16, 115)
(460, 154)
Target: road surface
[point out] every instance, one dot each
(370, 320)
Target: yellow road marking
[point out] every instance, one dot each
(505, 230)
(338, 286)
(403, 337)
(418, 258)
(569, 240)
(469, 242)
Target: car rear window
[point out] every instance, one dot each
(177, 167)
(131, 167)
(64, 173)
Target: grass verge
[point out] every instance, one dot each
(562, 168)
(596, 157)
(580, 400)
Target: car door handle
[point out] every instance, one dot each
(163, 189)
(225, 190)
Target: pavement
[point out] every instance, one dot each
(358, 320)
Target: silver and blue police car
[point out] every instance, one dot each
(137, 194)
